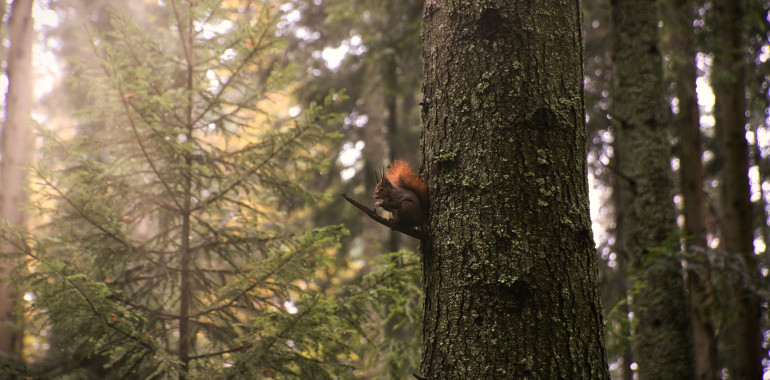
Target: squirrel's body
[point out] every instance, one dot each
(403, 193)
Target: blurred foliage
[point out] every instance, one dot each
(176, 211)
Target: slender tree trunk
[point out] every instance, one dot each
(622, 268)
(509, 269)
(661, 341)
(3, 30)
(700, 289)
(16, 147)
(744, 331)
(389, 86)
(760, 206)
(186, 335)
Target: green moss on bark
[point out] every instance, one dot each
(510, 275)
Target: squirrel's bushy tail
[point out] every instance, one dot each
(400, 174)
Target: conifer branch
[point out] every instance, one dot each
(268, 159)
(127, 107)
(91, 306)
(82, 213)
(144, 150)
(249, 288)
(138, 62)
(241, 66)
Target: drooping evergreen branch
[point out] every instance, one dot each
(89, 303)
(274, 152)
(280, 335)
(255, 283)
(82, 213)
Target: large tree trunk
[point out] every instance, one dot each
(700, 289)
(16, 153)
(743, 333)
(662, 345)
(509, 269)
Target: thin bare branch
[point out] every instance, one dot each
(411, 231)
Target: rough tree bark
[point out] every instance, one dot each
(661, 341)
(509, 268)
(743, 331)
(16, 153)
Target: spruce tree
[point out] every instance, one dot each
(174, 243)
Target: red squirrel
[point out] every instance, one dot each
(403, 193)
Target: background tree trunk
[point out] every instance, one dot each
(662, 345)
(700, 289)
(509, 270)
(743, 331)
(16, 153)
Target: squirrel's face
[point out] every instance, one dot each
(383, 188)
